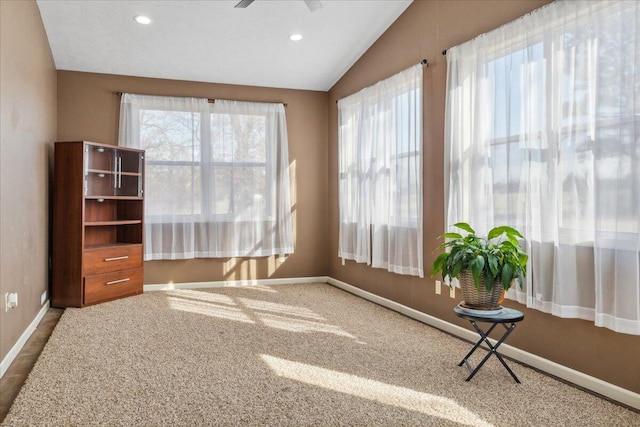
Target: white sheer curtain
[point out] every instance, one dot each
(380, 174)
(543, 133)
(217, 176)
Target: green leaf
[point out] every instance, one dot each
(464, 226)
(507, 276)
(507, 246)
(493, 265)
(452, 235)
(456, 270)
(513, 240)
(512, 231)
(476, 266)
(459, 255)
(495, 232)
(523, 258)
(476, 279)
(488, 280)
(439, 263)
(520, 280)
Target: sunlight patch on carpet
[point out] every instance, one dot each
(298, 325)
(202, 296)
(387, 394)
(284, 309)
(285, 317)
(208, 309)
(263, 288)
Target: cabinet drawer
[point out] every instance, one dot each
(106, 287)
(106, 260)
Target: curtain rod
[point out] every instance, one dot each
(424, 63)
(211, 101)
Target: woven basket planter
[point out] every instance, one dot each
(480, 299)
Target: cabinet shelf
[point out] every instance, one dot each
(106, 223)
(111, 172)
(101, 171)
(112, 198)
(109, 245)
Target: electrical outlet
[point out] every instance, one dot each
(452, 291)
(10, 300)
(342, 261)
(438, 287)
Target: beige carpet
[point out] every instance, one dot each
(288, 355)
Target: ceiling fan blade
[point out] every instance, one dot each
(313, 5)
(243, 4)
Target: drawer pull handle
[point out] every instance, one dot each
(118, 258)
(113, 282)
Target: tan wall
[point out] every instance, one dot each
(423, 31)
(88, 108)
(28, 126)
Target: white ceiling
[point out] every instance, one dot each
(211, 41)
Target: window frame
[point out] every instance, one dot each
(206, 171)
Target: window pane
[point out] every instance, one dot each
(170, 135)
(170, 190)
(240, 192)
(250, 192)
(618, 180)
(406, 189)
(238, 138)
(221, 191)
(239, 170)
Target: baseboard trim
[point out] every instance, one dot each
(234, 283)
(13, 353)
(588, 382)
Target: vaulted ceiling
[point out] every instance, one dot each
(211, 41)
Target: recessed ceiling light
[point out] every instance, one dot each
(141, 19)
(295, 37)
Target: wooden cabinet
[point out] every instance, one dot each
(98, 211)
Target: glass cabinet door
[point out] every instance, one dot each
(110, 171)
(129, 173)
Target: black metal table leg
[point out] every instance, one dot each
(503, 317)
(475, 347)
(493, 350)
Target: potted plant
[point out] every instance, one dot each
(485, 267)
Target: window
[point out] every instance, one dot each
(173, 169)
(542, 133)
(217, 180)
(239, 169)
(380, 174)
